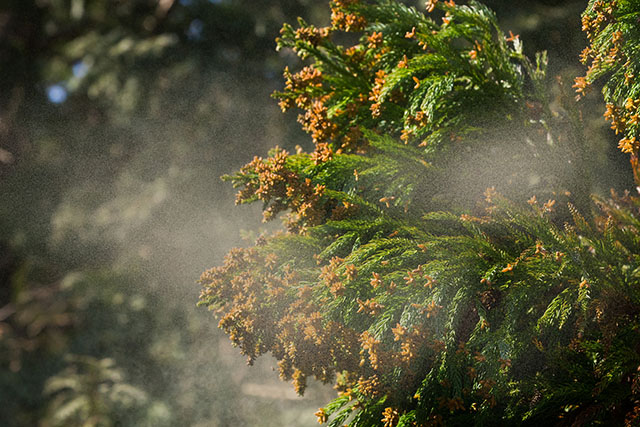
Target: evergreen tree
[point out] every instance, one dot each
(419, 272)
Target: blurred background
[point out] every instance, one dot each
(117, 118)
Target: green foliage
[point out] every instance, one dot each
(426, 80)
(428, 84)
(90, 392)
(613, 56)
(424, 307)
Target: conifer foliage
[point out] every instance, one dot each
(424, 307)
(613, 55)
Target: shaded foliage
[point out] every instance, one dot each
(116, 119)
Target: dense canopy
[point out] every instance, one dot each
(444, 262)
